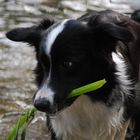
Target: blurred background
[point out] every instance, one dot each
(17, 60)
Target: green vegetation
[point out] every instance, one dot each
(22, 124)
(87, 88)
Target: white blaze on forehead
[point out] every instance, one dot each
(45, 91)
(51, 37)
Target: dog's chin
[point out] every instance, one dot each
(56, 112)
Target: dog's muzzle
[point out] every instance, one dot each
(44, 105)
(44, 100)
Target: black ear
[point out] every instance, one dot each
(30, 35)
(114, 31)
(136, 16)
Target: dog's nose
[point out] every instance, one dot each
(42, 104)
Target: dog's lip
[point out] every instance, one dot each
(59, 108)
(54, 114)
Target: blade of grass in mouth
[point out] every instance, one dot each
(87, 88)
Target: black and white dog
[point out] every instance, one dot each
(75, 52)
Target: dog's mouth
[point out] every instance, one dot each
(60, 107)
(60, 104)
(54, 114)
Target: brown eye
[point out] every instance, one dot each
(67, 64)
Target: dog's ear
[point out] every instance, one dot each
(111, 24)
(31, 35)
(113, 31)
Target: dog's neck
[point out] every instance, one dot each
(88, 120)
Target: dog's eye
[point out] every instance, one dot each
(67, 64)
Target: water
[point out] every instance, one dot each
(17, 60)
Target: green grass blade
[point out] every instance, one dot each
(16, 131)
(13, 133)
(23, 134)
(31, 112)
(87, 88)
(22, 121)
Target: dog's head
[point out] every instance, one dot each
(70, 54)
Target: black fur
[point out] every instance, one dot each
(136, 16)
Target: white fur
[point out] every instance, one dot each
(53, 33)
(86, 120)
(45, 92)
(125, 83)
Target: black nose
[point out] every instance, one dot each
(42, 105)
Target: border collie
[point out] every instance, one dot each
(75, 52)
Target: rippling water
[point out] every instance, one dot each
(17, 60)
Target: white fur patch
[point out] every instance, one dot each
(85, 120)
(125, 83)
(45, 92)
(53, 33)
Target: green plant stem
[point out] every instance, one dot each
(87, 88)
